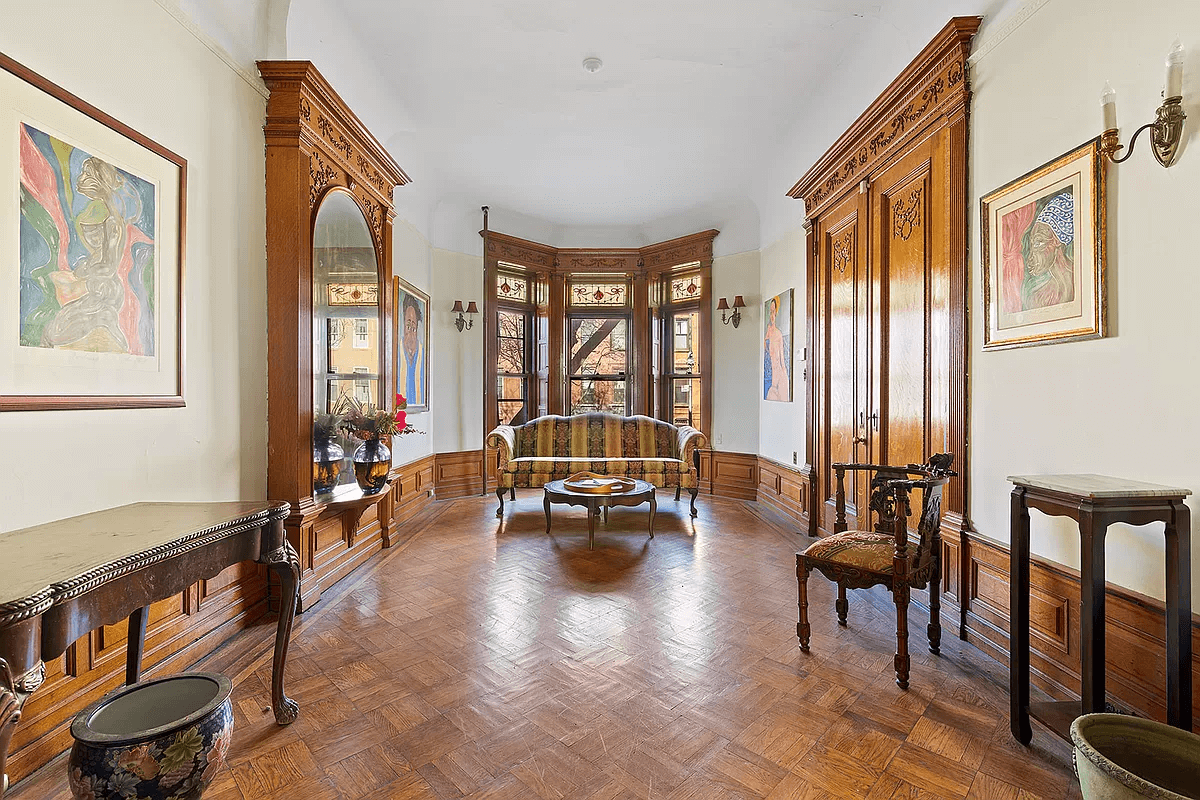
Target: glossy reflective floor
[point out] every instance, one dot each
(484, 659)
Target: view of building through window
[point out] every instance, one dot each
(512, 367)
(685, 360)
(599, 364)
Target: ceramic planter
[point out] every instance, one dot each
(1118, 757)
(163, 739)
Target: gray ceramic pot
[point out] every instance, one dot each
(1118, 757)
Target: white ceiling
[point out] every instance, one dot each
(486, 101)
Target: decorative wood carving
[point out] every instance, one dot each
(843, 251)
(906, 215)
(934, 81)
(310, 129)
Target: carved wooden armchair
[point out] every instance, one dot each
(883, 556)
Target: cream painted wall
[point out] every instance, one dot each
(781, 425)
(1123, 405)
(456, 358)
(73, 462)
(736, 355)
(412, 260)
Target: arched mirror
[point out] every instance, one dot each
(347, 336)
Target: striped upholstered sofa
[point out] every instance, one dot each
(553, 447)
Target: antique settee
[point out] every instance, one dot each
(553, 447)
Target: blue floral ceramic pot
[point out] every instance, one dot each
(164, 739)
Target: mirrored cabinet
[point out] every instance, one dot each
(329, 232)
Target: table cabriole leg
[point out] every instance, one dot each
(653, 510)
(1179, 616)
(546, 506)
(13, 694)
(286, 564)
(1018, 652)
(591, 526)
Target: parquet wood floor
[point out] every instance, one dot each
(483, 659)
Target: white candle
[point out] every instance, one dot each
(1175, 71)
(1108, 104)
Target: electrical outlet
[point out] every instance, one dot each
(794, 461)
(720, 438)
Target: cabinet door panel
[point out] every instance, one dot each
(844, 378)
(904, 264)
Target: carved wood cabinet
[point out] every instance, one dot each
(317, 148)
(886, 212)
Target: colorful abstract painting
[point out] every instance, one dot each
(1043, 254)
(87, 251)
(777, 348)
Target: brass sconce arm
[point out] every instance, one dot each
(1166, 132)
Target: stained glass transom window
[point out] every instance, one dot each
(510, 287)
(599, 294)
(353, 294)
(685, 288)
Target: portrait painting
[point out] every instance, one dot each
(1043, 254)
(777, 348)
(411, 308)
(91, 316)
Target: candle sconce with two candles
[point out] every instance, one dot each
(1166, 131)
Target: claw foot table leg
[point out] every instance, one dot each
(286, 564)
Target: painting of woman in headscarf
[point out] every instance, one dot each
(1043, 237)
(1038, 253)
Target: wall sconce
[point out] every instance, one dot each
(723, 307)
(464, 323)
(1167, 129)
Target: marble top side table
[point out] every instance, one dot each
(1095, 502)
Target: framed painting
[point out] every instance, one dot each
(92, 236)
(777, 348)
(412, 344)
(1044, 254)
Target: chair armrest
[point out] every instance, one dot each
(688, 440)
(504, 439)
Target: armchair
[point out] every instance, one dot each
(883, 556)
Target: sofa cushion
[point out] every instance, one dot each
(631, 467)
(586, 436)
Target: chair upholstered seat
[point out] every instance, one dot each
(869, 550)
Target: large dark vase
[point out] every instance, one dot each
(327, 466)
(165, 738)
(372, 463)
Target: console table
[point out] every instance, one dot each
(61, 580)
(1095, 502)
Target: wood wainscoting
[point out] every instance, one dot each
(458, 474)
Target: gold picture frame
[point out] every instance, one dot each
(1044, 250)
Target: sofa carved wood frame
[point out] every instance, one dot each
(883, 556)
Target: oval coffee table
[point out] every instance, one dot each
(556, 492)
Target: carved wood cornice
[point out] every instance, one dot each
(933, 85)
(630, 260)
(303, 106)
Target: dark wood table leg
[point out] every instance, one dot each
(286, 564)
(546, 506)
(1018, 639)
(136, 644)
(592, 511)
(1179, 617)
(14, 691)
(653, 509)
(1092, 527)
